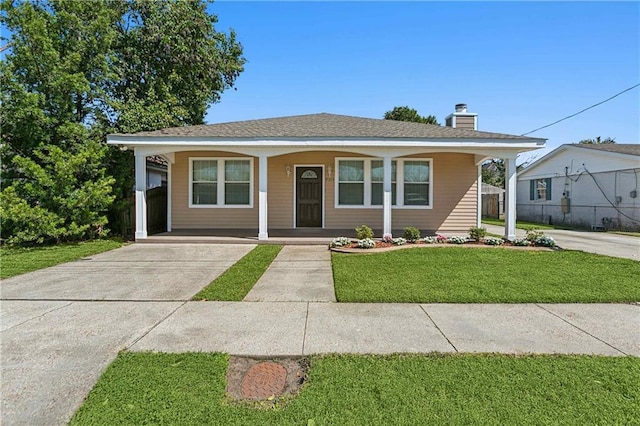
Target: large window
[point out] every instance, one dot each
(221, 182)
(416, 183)
(360, 183)
(351, 182)
(377, 179)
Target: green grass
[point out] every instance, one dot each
(479, 275)
(18, 260)
(189, 389)
(238, 280)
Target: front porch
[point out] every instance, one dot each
(300, 236)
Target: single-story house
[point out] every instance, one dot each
(325, 171)
(583, 185)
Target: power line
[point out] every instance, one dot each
(580, 112)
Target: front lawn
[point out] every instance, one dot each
(484, 275)
(18, 260)
(239, 279)
(189, 389)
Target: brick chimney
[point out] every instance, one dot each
(462, 119)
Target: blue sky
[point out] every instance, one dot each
(519, 65)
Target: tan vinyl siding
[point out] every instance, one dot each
(281, 193)
(183, 217)
(465, 122)
(454, 196)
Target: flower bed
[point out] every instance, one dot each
(477, 238)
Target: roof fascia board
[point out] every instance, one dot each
(388, 151)
(164, 141)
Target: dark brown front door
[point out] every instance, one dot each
(309, 197)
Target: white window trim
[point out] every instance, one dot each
(367, 184)
(221, 184)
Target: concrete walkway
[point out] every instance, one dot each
(603, 243)
(298, 274)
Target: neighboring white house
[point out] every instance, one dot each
(156, 172)
(583, 185)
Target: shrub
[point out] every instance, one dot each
(545, 241)
(441, 239)
(521, 242)
(366, 243)
(456, 239)
(399, 241)
(340, 242)
(493, 241)
(477, 233)
(363, 232)
(59, 195)
(411, 234)
(430, 240)
(534, 234)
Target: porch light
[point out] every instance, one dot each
(288, 170)
(329, 169)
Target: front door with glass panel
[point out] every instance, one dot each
(308, 197)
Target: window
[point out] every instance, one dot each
(217, 182)
(377, 179)
(359, 183)
(237, 182)
(351, 182)
(416, 183)
(205, 182)
(540, 189)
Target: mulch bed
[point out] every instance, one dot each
(382, 246)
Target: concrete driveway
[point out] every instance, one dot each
(61, 326)
(135, 272)
(603, 243)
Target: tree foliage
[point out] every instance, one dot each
(404, 113)
(77, 71)
(597, 141)
(493, 172)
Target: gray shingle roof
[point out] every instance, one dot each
(326, 126)
(621, 148)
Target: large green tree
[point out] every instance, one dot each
(405, 113)
(78, 70)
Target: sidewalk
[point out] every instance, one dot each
(299, 328)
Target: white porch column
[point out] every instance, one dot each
(169, 195)
(510, 198)
(262, 198)
(479, 219)
(386, 198)
(141, 196)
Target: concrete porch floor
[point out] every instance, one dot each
(299, 236)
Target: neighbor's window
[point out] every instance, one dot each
(540, 189)
(217, 182)
(351, 182)
(416, 183)
(205, 182)
(377, 179)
